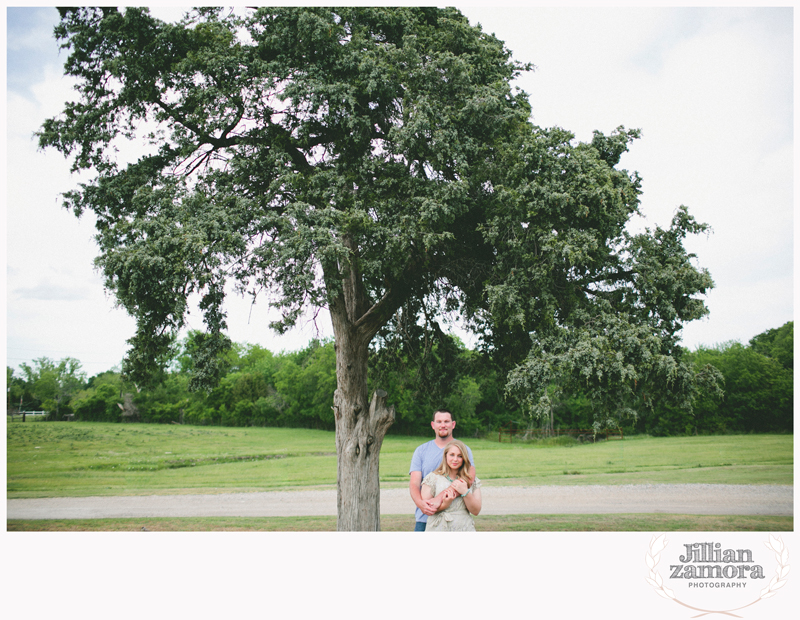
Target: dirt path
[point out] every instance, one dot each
(709, 499)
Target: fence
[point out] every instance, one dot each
(25, 414)
(69, 417)
(581, 434)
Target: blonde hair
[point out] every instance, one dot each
(463, 471)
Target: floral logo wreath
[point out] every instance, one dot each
(657, 544)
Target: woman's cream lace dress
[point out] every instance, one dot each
(456, 518)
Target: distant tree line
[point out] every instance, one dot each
(293, 389)
(759, 389)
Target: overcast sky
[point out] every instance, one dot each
(711, 89)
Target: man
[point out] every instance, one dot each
(427, 457)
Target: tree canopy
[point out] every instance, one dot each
(291, 149)
(377, 163)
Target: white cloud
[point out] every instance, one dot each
(47, 291)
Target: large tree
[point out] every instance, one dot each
(375, 162)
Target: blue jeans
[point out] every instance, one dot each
(420, 526)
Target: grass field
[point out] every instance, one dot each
(405, 523)
(73, 459)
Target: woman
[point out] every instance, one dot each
(461, 496)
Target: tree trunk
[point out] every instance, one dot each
(360, 429)
(360, 425)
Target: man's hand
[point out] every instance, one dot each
(450, 494)
(430, 506)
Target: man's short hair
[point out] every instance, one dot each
(447, 411)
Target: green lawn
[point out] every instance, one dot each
(71, 459)
(405, 523)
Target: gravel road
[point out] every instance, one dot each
(707, 499)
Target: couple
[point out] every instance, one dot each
(443, 483)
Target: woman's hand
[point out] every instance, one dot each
(460, 485)
(473, 501)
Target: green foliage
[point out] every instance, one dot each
(258, 389)
(758, 391)
(306, 385)
(618, 347)
(776, 343)
(98, 404)
(294, 390)
(19, 396)
(49, 385)
(425, 374)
